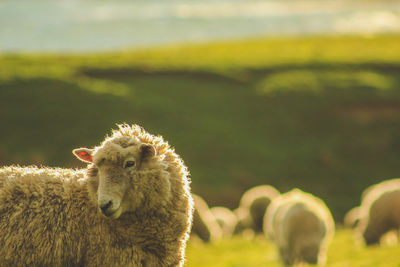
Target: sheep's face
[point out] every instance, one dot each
(372, 232)
(124, 178)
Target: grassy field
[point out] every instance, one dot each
(344, 251)
(318, 113)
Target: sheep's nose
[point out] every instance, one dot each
(104, 207)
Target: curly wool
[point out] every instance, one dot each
(50, 216)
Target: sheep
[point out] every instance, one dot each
(301, 226)
(352, 217)
(226, 220)
(205, 225)
(379, 211)
(252, 207)
(131, 207)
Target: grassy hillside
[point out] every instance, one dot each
(344, 251)
(320, 113)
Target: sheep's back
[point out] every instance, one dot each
(38, 213)
(299, 222)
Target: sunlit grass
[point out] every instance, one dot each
(237, 251)
(317, 81)
(221, 57)
(344, 251)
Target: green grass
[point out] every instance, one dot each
(344, 251)
(318, 113)
(216, 57)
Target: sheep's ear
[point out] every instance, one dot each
(147, 151)
(84, 154)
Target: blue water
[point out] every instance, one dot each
(102, 25)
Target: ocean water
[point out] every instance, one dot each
(105, 25)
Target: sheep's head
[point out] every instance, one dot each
(371, 232)
(309, 253)
(126, 175)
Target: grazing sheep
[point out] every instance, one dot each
(252, 207)
(301, 226)
(379, 211)
(131, 207)
(226, 220)
(352, 217)
(205, 225)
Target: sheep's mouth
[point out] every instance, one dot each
(113, 214)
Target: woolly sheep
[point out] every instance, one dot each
(131, 207)
(301, 226)
(379, 211)
(252, 208)
(226, 220)
(205, 225)
(352, 217)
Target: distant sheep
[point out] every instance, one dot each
(379, 211)
(252, 208)
(205, 225)
(352, 217)
(301, 226)
(226, 220)
(132, 207)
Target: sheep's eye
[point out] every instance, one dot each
(101, 161)
(129, 163)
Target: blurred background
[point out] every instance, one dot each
(291, 93)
